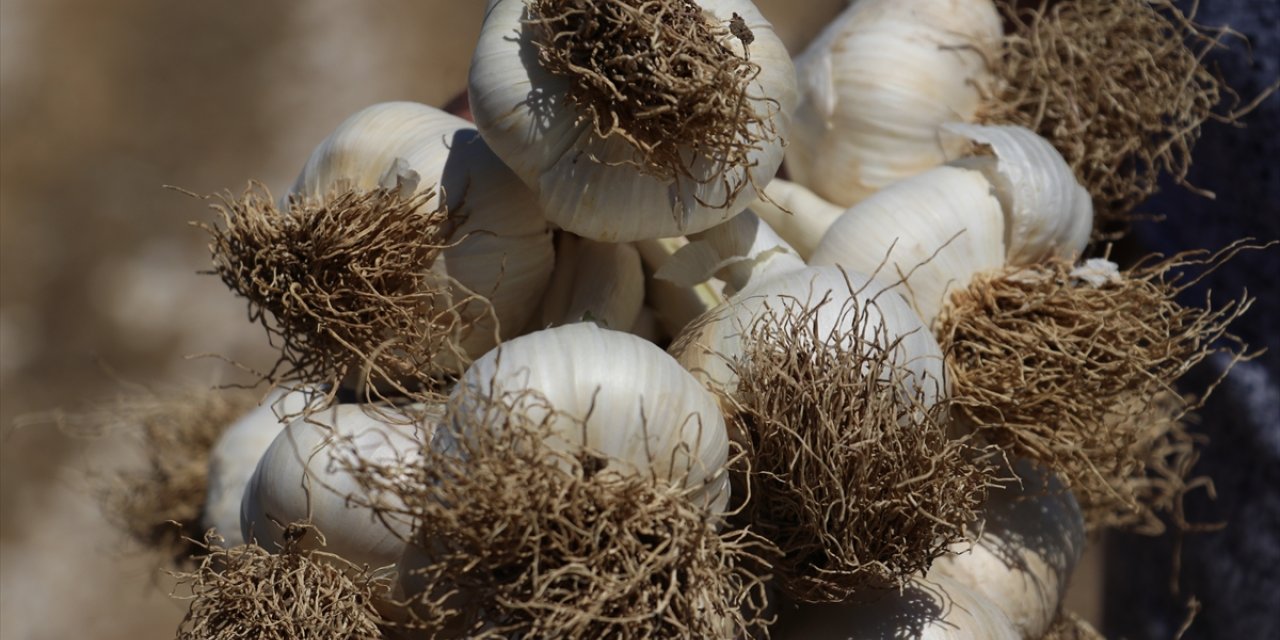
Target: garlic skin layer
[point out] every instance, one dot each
(1032, 538)
(936, 230)
(235, 457)
(641, 409)
(737, 251)
(925, 609)
(876, 85)
(501, 249)
(797, 214)
(594, 281)
(302, 477)
(591, 186)
(714, 341)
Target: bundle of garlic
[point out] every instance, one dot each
(824, 437)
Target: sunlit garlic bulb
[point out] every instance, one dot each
(634, 120)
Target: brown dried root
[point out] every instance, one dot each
(518, 541)
(345, 286)
(249, 592)
(159, 506)
(1070, 626)
(658, 75)
(1051, 367)
(1118, 86)
(856, 482)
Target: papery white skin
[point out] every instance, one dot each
(302, 477)
(1048, 213)
(737, 251)
(502, 250)
(235, 457)
(1032, 537)
(797, 214)
(517, 107)
(718, 338)
(877, 83)
(595, 281)
(923, 610)
(643, 411)
(941, 227)
(675, 305)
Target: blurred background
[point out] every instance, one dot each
(103, 103)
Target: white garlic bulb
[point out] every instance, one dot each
(925, 609)
(936, 230)
(1032, 537)
(304, 477)
(501, 249)
(642, 410)
(235, 457)
(933, 231)
(877, 84)
(591, 185)
(595, 281)
(1048, 213)
(717, 339)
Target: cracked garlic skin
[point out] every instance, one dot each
(877, 84)
(501, 249)
(1032, 537)
(642, 410)
(591, 185)
(304, 477)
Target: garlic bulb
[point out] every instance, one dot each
(1032, 538)
(642, 410)
(877, 84)
(936, 230)
(716, 340)
(235, 457)
(736, 251)
(1048, 213)
(926, 609)
(933, 231)
(501, 249)
(594, 281)
(588, 177)
(797, 214)
(303, 477)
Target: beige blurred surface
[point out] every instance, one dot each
(102, 103)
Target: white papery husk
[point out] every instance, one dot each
(675, 306)
(609, 393)
(798, 215)
(736, 252)
(925, 609)
(712, 344)
(879, 82)
(501, 249)
(938, 229)
(591, 186)
(594, 281)
(235, 457)
(1031, 538)
(306, 476)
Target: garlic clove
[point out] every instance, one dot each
(876, 85)
(593, 186)
(930, 233)
(926, 609)
(675, 306)
(736, 251)
(594, 281)
(1048, 213)
(642, 411)
(304, 476)
(1032, 536)
(235, 457)
(799, 215)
